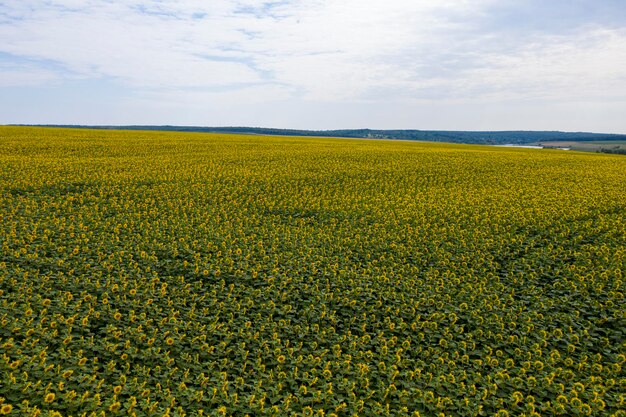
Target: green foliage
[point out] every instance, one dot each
(616, 150)
(151, 274)
(468, 137)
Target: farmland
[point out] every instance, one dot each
(589, 146)
(187, 274)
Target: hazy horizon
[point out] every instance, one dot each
(156, 126)
(485, 65)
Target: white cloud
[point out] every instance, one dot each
(122, 42)
(323, 49)
(193, 52)
(589, 65)
(25, 74)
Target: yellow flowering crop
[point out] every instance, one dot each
(151, 273)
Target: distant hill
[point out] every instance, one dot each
(469, 137)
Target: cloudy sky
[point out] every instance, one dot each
(316, 64)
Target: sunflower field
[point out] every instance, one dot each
(171, 274)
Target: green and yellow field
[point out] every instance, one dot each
(155, 274)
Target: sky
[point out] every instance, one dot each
(316, 64)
